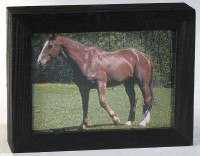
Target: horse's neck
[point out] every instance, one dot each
(73, 65)
(77, 53)
(84, 57)
(74, 50)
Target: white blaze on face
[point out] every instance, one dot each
(42, 51)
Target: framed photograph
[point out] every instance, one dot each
(100, 76)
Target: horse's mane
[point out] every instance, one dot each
(75, 42)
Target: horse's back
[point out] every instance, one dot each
(126, 63)
(118, 65)
(122, 56)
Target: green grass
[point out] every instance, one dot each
(57, 106)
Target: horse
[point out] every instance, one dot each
(95, 68)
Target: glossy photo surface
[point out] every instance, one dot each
(128, 58)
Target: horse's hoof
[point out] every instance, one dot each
(84, 126)
(116, 120)
(128, 123)
(143, 124)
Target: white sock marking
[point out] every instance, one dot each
(146, 120)
(128, 123)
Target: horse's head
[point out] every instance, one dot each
(50, 50)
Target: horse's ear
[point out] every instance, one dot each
(52, 36)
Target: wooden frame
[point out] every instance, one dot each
(23, 21)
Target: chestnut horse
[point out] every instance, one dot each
(96, 68)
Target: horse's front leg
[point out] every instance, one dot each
(104, 104)
(84, 91)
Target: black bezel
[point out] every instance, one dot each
(23, 21)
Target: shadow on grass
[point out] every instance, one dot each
(105, 125)
(99, 127)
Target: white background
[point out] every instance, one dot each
(183, 151)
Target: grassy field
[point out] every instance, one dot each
(57, 106)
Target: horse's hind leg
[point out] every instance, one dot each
(85, 98)
(148, 96)
(103, 103)
(129, 87)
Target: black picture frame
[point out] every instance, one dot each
(23, 21)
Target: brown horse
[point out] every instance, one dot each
(96, 68)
